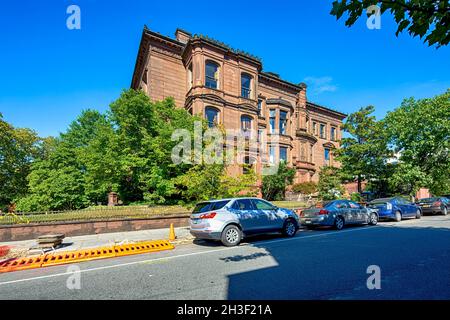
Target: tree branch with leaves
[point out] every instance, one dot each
(423, 18)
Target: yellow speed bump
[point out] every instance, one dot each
(58, 258)
(142, 247)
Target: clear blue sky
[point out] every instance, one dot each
(48, 74)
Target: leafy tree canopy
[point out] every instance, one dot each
(419, 131)
(126, 150)
(18, 149)
(330, 187)
(364, 152)
(423, 18)
(274, 186)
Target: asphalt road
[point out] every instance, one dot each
(413, 257)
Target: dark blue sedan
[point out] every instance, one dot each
(396, 208)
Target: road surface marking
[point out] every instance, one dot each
(186, 255)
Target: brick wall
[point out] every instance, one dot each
(32, 231)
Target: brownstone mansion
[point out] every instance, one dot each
(229, 87)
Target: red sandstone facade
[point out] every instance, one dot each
(229, 88)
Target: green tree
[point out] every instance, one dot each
(419, 131)
(144, 130)
(199, 183)
(407, 179)
(430, 18)
(305, 187)
(364, 152)
(69, 175)
(55, 183)
(329, 186)
(274, 186)
(18, 149)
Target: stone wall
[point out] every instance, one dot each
(32, 231)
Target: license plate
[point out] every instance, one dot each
(196, 221)
(308, 221)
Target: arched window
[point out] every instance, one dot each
(246, 123)
(212, 116)
(212, 75)
(246, 85)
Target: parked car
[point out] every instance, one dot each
(230, 220)
(434, 205)
(338, 213)
(395, 208)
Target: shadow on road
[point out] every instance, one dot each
(414, 263)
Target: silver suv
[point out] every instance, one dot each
(230, 220)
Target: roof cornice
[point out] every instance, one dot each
(316, 106)
(269, 77)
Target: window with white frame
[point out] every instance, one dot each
(272, 114)
(212, 75)
(272, 154)
(283, 122)
(283, 154)
(246, 83)
(333, 134)
(212, 116)
(260, 107)
(322, 131)
(246, 123)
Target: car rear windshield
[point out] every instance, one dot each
(325, 204)
(428, 200)
(209, 206)
(381, 201)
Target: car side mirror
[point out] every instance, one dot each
(274, 208)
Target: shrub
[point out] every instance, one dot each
(274, 186)
(355, 196)
(305, 187)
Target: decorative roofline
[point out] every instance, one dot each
(341, 115)
(271, 77)
(227, 47)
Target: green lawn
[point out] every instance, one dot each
(290, 204)
(112, 213)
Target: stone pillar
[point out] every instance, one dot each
(198, 66)
(113, 199)
(301, 108)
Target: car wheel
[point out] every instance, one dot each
(398, 216)
(339, 223)
(231, 236)
(445, 211)
(418, 214)
(373, 220)
(289, 229)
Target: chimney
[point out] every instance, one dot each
(182, 35)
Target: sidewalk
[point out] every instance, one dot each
(106, 239)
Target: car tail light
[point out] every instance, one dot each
(437, 204)
(208, 215)
(300, 213)
(323, 211)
